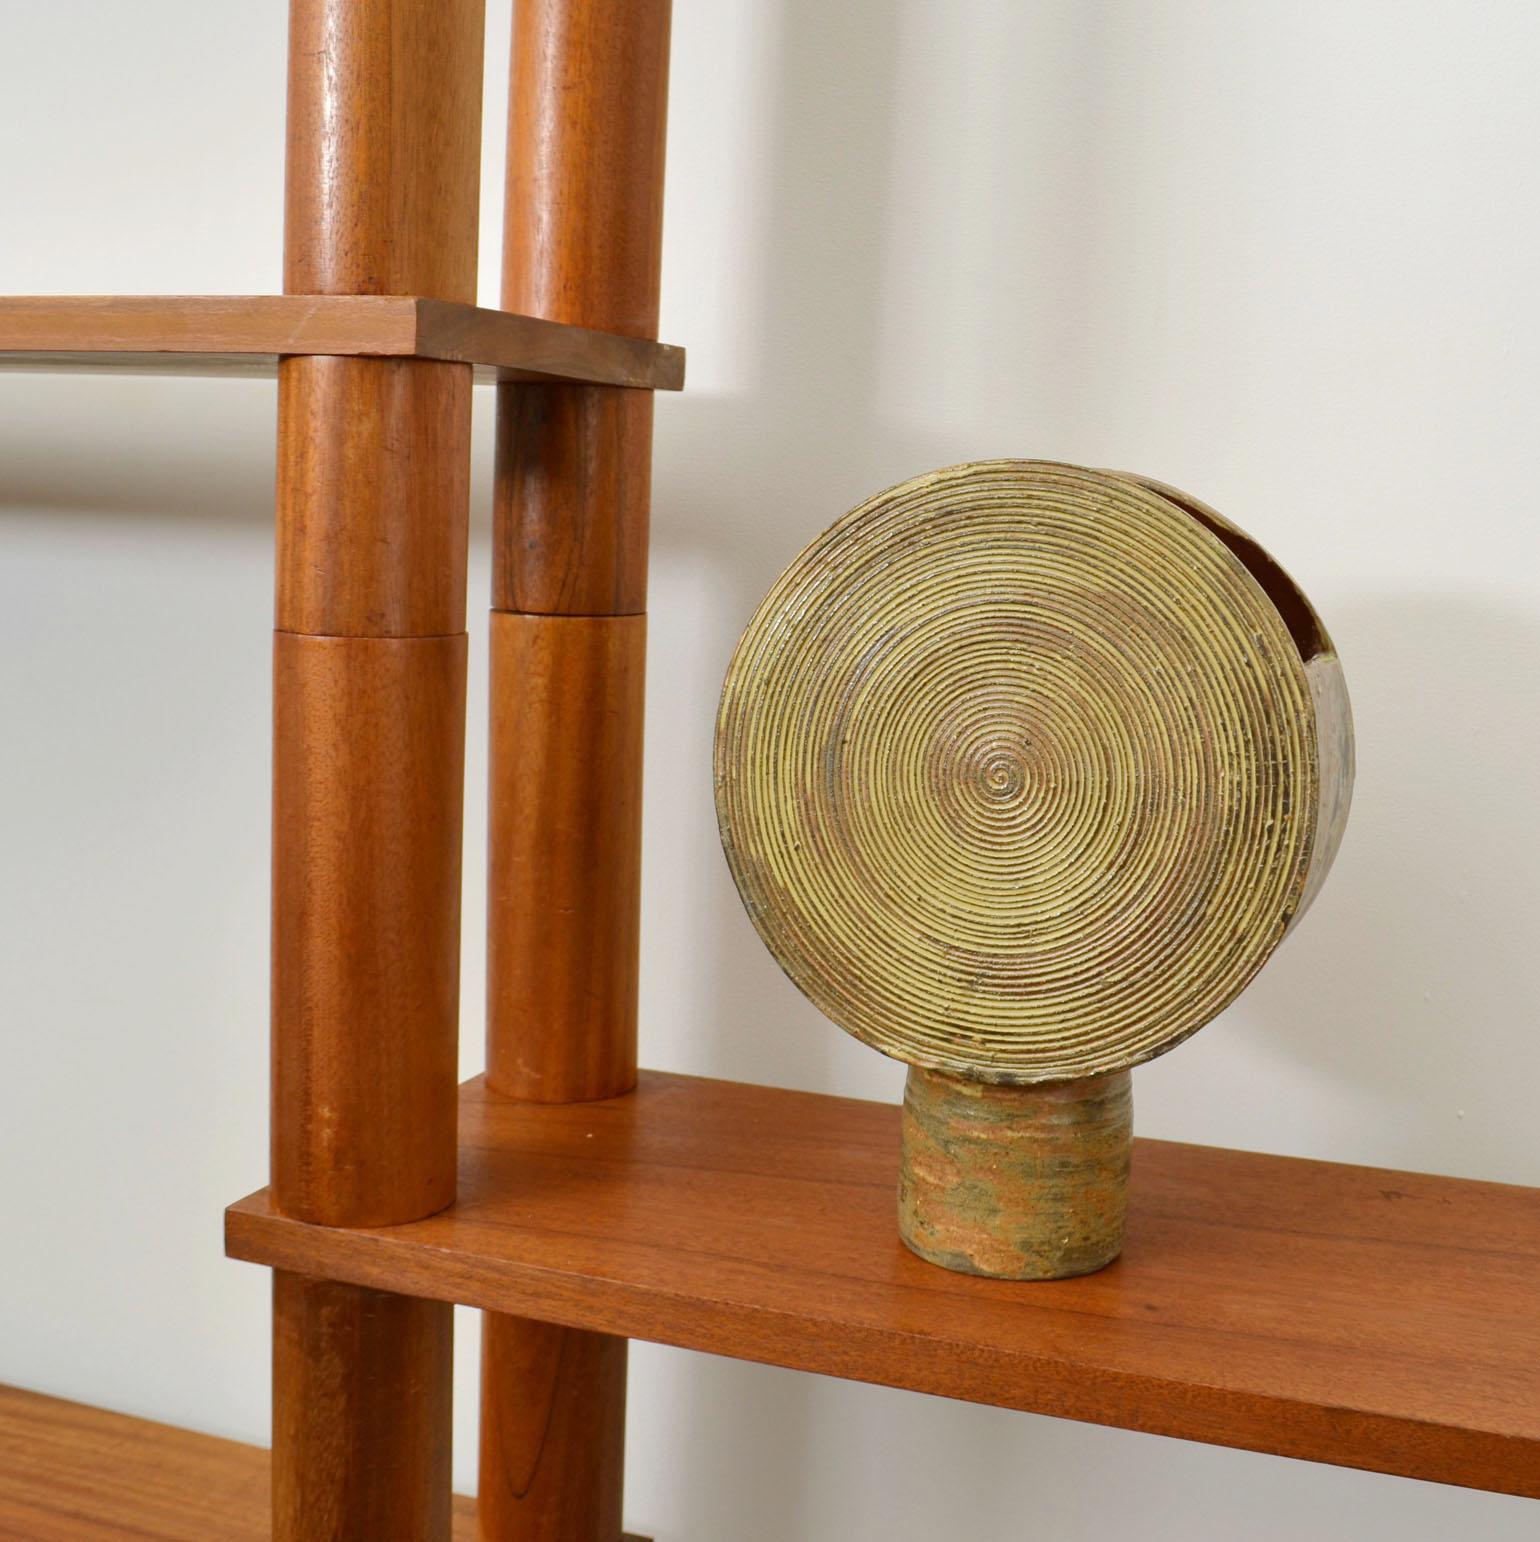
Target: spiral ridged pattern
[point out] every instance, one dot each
(1016, 772)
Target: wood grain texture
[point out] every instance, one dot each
(247, 334)
(367, 798)
(362, 1390)
(73, 1473)
(554, 1428)
(571, 501)
(384, 147)
(588, 103)
(1350, 1315)
(519, 347)
(373, 496)
(564, 854)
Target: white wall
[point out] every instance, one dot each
(1280, 252)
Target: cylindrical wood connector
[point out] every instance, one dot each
(571, 500)
(369, 737)
(1021, 1183)
(564, 869)
(361, 1425)
(374, 459)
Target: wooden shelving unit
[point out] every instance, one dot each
(1349, 1315)
(1379, 1320)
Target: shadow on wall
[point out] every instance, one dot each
(1421, 961)
(162, 448)
(743, 482)
(783, 458)
(1416, 952)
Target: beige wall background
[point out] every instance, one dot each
(1281, 254)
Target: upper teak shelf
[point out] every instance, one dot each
(248, 334)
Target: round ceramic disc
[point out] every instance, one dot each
(1016, 772)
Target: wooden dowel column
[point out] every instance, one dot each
(582, 244)
(565, 853)
(384, 126)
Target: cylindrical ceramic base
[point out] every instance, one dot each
(1021, 1183)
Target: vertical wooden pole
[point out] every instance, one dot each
(582, 244)
(361, 1433)
(553, 1432)
(384, 126)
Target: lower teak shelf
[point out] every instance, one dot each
(1367, 1318)
(78, 1474)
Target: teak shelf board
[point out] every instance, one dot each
(1366, 1318)
(247, 334)
(73, 1473)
